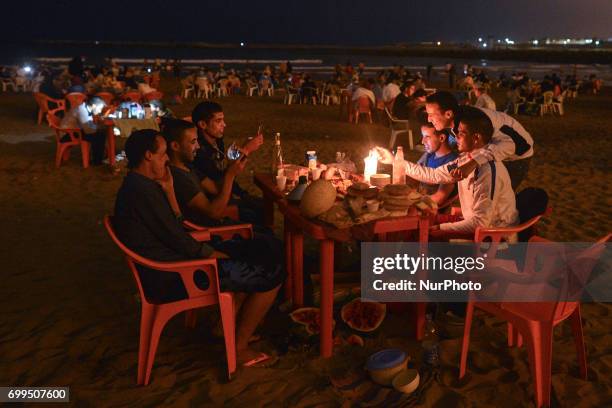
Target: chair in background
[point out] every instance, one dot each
(107, 97)
(63, 145)
(153, 96)
(363, 107)
(204, 87)
(398, 126)
(558, 103)
(75, 99)
(131, 96)
(290, 94)
(252, 86)
(43, 105)
(155, 315)
(536, 320)
(266, 87)
(547, 105)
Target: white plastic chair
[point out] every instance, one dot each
(547, 105)
(399, 126)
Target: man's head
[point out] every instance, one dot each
(479, 89)
(95, 105)
(408, 88)
(209, 118)
(182, 140)
(441, 109)
(420, 95)
(146, 152)
(474, 129)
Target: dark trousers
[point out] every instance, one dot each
(98, 141)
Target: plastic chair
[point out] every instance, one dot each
(536, 321)
(154, 316)
(290, 93)
(62, 152)
(43, 105)
(398, 126)
(107, 97)
(75, 99)
(363, 108)
(153, 96)
(558, 103)
(547, 105)
(132, 96)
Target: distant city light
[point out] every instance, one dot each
(588, 41)
(535, 42)
(242, 44)
(484, 45)
(479, 39)
(597, 42)
(439, 43)
(27, 69)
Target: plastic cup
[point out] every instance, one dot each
(373, 205)
(281, 182)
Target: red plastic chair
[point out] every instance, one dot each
(107, 97)
(536, 321)
(155, 316)
(363, 108)
(153, 96)
(75, 99)
(43, 105)
(132, 96)
(62, 152)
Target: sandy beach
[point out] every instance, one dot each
(69, 303)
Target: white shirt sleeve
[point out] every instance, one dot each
(439, 175)
(500, 148)
(482, 205)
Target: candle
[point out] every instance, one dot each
(371, 165)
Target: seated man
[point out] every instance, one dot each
(210, 158)
(85, 117)
(191, 192)
(148, 220)
(483, 100)
(485, 195)
(510, 142)
(438, 152)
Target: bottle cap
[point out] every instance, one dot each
(385, 359)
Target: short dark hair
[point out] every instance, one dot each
(140, 142)
(174, 129)
(476, 120)
(205, 111)
(445, 100)
(419, 93)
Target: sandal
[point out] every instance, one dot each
(261, 358)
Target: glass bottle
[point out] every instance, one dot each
(430, 343)
(277, 162)
(399, 167)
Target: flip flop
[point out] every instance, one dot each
(261, 358)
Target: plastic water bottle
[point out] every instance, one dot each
(430, 343)
(399, 167)
(277, 159)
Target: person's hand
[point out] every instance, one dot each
(237, 166)
(252, 144)
(384, 155)
(166, 182)
(434, 228)
(456, 174)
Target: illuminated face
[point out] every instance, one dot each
(159, 159)
(188, 145)
(430, 140)
(465, 139)
(441, 120)
(216, 125)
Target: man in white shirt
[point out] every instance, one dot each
(390, 91)
(84, 117)
(486, 195)
(510, 141)
(483, 100)
(363, 90)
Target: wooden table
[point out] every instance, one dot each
(296, 225)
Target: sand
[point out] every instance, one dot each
(70, 315)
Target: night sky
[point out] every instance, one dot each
(348, 22)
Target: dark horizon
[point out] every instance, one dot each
(315, 23)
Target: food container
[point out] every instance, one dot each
(406, 381)
(380, 180)
(373, 205)
(386, 364)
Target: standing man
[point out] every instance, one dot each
(510, 142)
(209, 119)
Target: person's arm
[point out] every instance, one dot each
(439, 175)
(85, 120)
(443, 193)
(482, 205)
(209, 186)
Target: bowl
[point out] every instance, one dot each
(406, 381)
(380, 180)
(386, 364)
